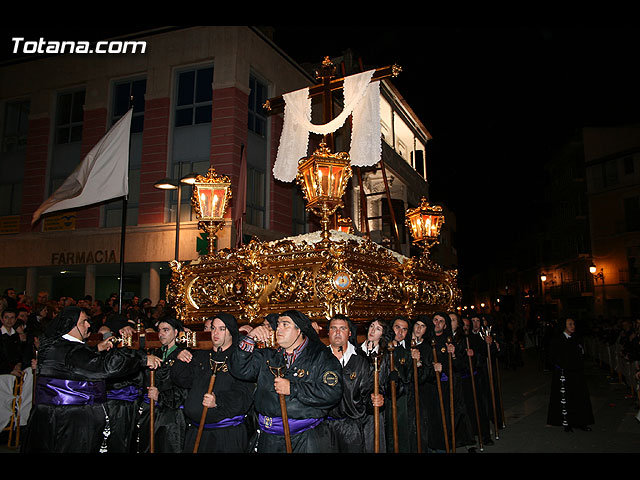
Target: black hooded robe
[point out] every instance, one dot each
(316, 387)
(68, 415)
(569, 401)
(169, 422)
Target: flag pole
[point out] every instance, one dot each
(123, 226)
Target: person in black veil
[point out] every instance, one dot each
(169, 422)
(347, 419)
(442, 337)
(569, 401)
(68, 415)
(225, 429)
(311, 383)
(374, 346)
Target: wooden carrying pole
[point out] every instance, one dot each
(394, 404)
(279, 373)
(442, 411)
(451, 409)
(376, 410)
(212, 381)
(475, 397)
(417, 398)
(152, 414)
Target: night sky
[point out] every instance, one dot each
(497, 101)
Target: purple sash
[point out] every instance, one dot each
(443, 377)
(275, 425)
(130, 393)
(226, 422)
(58, 391)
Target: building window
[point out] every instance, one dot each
(194, 97)
(628, 165)
(14, 142)
(16, 123)
(257, 98)
(610, 173)
(123, 92)
(632, 213)
(69, 117)
(300, 224)
(256, 198)
(180, 170)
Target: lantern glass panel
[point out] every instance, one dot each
(211, 198)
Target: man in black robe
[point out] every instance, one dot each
(347, 419)
(402, 376)
(227, 405)
(301, 370)
(569, 402)
(169, 423)
(68, 415)
(446, 365)
(477, 352)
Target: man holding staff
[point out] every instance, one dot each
(347, 419)
(302, 373)
(218, 402)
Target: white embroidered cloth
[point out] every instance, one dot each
(362, 101)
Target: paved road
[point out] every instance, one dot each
(526, 397)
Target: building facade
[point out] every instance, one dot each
(612, 159)
(197, 96)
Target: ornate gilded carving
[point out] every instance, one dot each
(350, 275)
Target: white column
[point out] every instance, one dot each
(90, 281)
(31, 284)
(154, 282)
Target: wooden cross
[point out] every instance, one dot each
(327, 85)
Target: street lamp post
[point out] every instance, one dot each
(171, 184)
(593, 270)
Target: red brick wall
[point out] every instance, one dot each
(155, 140)
(35, 171)
(281, 199)
(228, 134)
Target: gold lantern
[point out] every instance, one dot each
(323, 178)
(425, 222)
(211, 195)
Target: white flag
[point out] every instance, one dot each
(102, 175)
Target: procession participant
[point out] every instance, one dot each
(68, 415)
(477, 353)
(303, 372)
(224, 429)
(375, 345)
(403, 378)
(442, 334)
(12, 346)
(348, 417)
(124, 394)
(569, 401)
(169, 423)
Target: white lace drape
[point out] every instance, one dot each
(362, 101)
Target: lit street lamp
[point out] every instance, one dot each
(171, 184)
